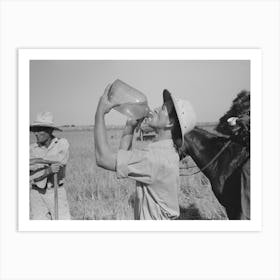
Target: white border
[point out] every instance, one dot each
(254, 55)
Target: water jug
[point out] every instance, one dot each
(132, 102)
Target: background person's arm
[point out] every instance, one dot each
(34, 161)
(44, 172)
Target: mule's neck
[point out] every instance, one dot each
(203, 147)
(196, 145)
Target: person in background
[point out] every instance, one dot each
(240, 126)
(48, 156)
(154, 168)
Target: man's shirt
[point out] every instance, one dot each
(156, 171)
(58, 150)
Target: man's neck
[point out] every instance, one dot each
(164, 134)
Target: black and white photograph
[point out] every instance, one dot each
(163, 172)
(140, 139)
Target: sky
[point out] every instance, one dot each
(71, 89)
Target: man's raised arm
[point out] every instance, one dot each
(104, 155)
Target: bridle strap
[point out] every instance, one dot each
(212, 160)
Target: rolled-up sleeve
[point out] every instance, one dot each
(60, 152)
(63, 153)
(136, 164)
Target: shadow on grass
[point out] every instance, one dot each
(190, 213)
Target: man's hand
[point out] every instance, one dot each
(104, 105)
(131, 125)
(244, 121)
(54, 168)
(133, 122)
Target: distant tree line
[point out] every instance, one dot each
(68, 125)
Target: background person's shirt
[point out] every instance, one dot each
(58, 150)
(156, 171)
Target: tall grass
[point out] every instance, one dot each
(94, 193)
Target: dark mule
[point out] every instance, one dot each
(226, 172)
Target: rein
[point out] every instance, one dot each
(211, 161)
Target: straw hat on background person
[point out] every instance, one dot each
(44, 119)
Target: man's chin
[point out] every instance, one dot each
(148, 126)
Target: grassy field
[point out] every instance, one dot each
(94, 193)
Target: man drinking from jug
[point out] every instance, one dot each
(154, 168)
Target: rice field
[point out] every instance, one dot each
(94, 193)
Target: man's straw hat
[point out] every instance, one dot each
(185, 113)
(44, 119)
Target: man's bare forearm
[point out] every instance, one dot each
(47, 173)
(34, 161)
(127, 137)
(104, 155)
(100, 133)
